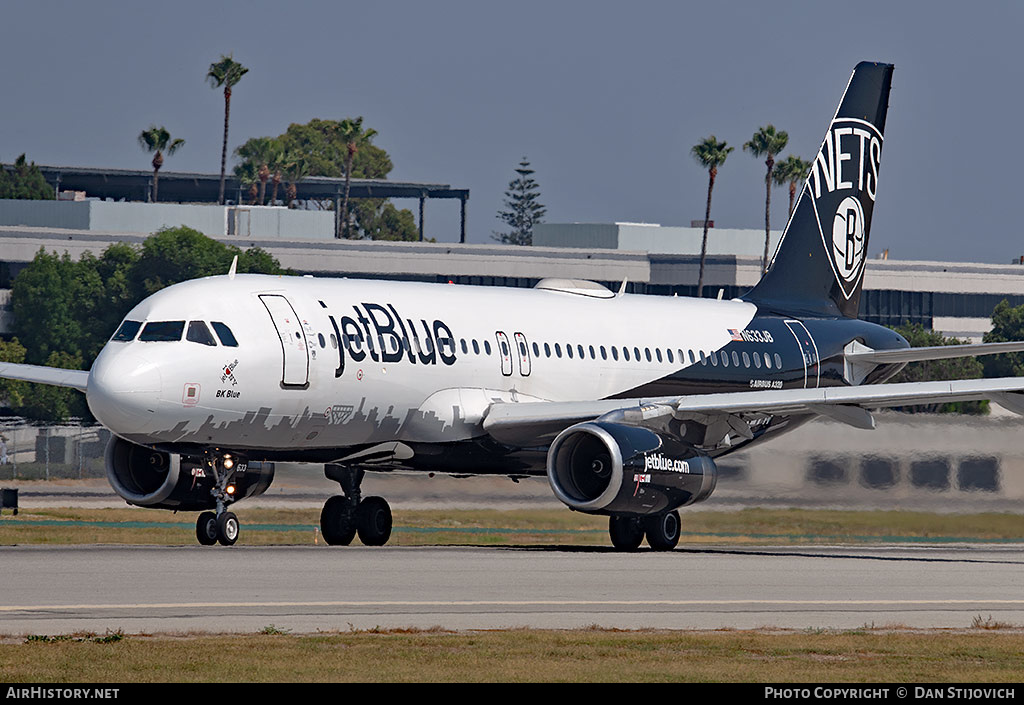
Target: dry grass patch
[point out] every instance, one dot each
(586, 655)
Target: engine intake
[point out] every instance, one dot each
(607, 468)
(151, 478)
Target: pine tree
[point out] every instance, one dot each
(523, 209)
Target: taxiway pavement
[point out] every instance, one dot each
(52, 590)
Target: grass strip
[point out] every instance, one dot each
(494, 527)
(980, 655)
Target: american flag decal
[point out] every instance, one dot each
(735, 334)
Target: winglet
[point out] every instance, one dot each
(234, 266)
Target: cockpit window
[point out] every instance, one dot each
(162, 331)
(127, 331)
(225, 335)
(199, 333)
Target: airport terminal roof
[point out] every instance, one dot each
(187, 187)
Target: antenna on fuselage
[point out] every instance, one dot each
(234, 266)
(622, 289)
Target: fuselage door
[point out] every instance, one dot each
(295, 368)
(505, 353)
(809, 351)
(524, 354)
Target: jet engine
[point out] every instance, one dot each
(158, 480)
(609, 468)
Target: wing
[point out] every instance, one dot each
(76, 379)
(537, 423)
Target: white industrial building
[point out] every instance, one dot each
(956, 298)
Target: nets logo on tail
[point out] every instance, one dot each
(818, 268)
(843, 183)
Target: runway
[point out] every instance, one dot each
(52, 590)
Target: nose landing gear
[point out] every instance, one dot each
(345, 516)
(221, 527)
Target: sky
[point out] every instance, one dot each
(605, 99)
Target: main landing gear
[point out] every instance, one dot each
(345, 516)
(661, 530)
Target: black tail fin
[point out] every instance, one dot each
(818, 267)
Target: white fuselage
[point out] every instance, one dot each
(335, 363)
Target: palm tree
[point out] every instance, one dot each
(767, 142)
(277, 165)
(791, 170)
(296, 168)
(354, 136)
(710, 154)
(260, 153)
(226, 72)
(158, 140)
(248, 178)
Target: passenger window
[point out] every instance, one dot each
(127, 331)
(568, 351)
(714, 358)
(757, 361)
(487, 347)
(227, 338)
(647, 352)
(558, 350)
(323, 342)
(592, 355)
(465, 350)
(636, 353)
(334, 341)
(657, 351)
(778, 361)
(604, 353)
(767, 361)
(547, 350)
(625, 354)
(162, 331)
(692, 358)
(476, 347)
(615, 353)
(725, 359)
(579, 349)
(746, 360)
(671, 358)
(536, 350)
(735, 359)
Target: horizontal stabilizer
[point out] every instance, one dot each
(76, 379)
(937, 352)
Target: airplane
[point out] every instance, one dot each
(623, 401)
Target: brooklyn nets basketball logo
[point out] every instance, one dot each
(848, 238)
(843, 183)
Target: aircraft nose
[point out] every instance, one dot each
(123, 390)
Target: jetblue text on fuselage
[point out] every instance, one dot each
(380, 333)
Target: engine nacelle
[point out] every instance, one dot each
(607, 468)
(152, 478)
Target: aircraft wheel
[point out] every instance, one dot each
(662, 531)
(206, 528)
(337, 525)
(373, 521)
(227, 529)
(627, 532)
